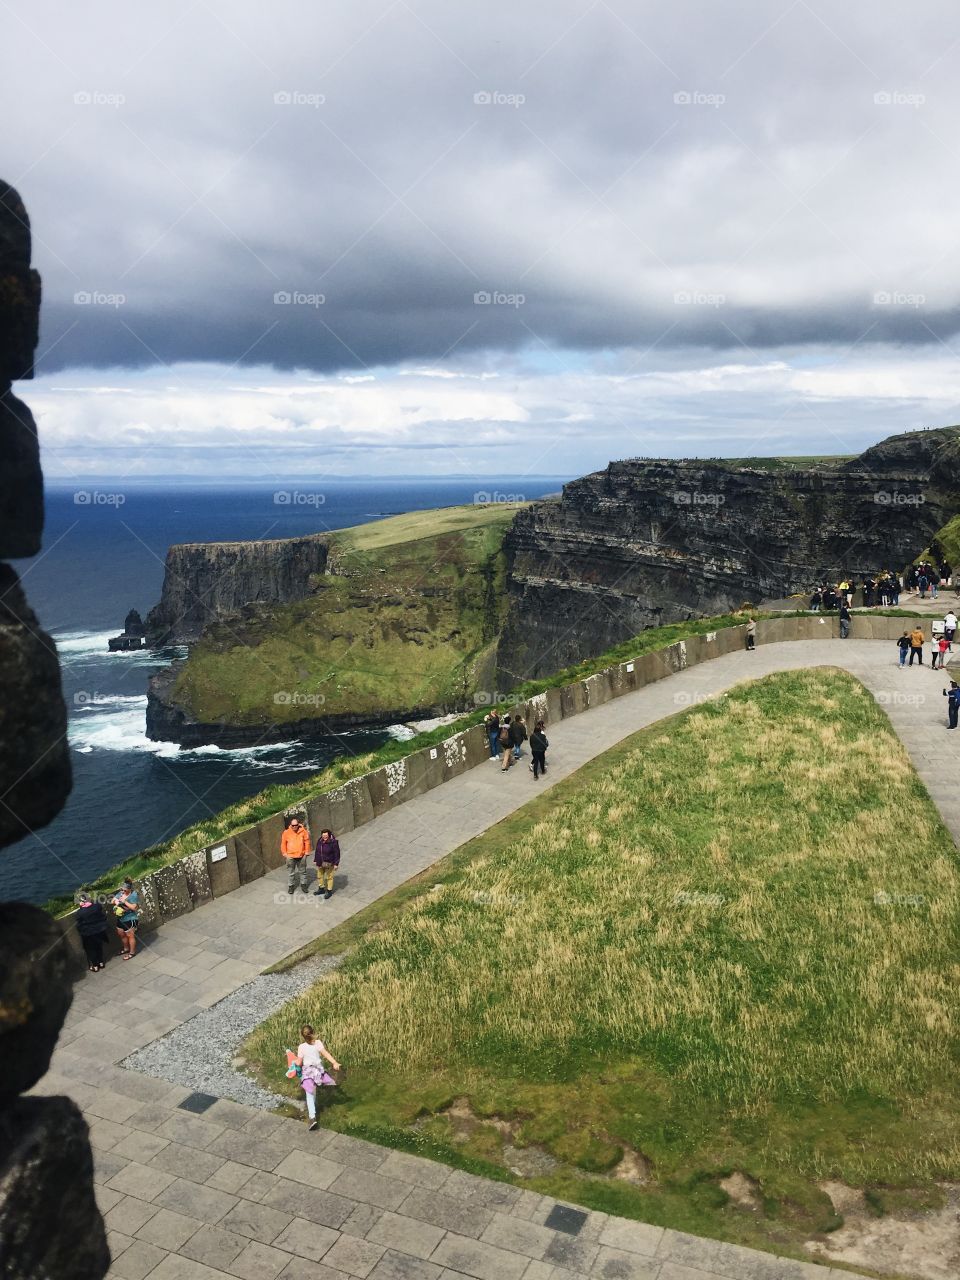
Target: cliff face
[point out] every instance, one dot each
(649, 542)
(205, 582)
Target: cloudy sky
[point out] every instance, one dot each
(427, 237)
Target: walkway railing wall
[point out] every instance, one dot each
(224, 866)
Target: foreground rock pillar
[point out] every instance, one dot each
(50, 1227)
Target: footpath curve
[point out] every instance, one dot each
(239, 1192)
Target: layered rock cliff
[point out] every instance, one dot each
(206, 582)
(652, 541)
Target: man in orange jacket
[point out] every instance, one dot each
(295, 845)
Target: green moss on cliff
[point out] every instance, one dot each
(404, 622)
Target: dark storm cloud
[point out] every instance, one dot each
(359, 184)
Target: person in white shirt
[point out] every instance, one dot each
(310, 1055)
(949, 628)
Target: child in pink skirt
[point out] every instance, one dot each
(309, 1058)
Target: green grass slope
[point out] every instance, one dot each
(727, 945)
(405, 622)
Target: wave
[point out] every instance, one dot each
(83, 703)
(119, 727)
(75, 645)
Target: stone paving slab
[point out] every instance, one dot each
(241, 1193)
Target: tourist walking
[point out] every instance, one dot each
(518, 735)
(916, 645)
(506, 745)
(491, 722)
(92, 928)
(295, 845)
(844, 621)
(126, 907)
(952, 696)
(311, 1053)
(903, 644)
(538, 749)
(327, 858)
(950, 627)
(751, 633)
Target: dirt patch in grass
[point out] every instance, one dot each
(920, 1240)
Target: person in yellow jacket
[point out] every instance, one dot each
(295, 845)
(916, 645)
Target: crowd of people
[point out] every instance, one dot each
(883, 589)
(506, 736)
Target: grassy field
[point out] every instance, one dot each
(406, 623)
(730, 944)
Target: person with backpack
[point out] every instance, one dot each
(92, 928)
(903, 644)
(327, 858)
(952, 696)
(506, 745)
(916, 645)
(518, 736)
(491, 723)
(538, 750)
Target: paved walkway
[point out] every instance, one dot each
(201, 1190)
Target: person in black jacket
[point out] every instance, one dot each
(538, 749)
(92, 928)
(518, 735)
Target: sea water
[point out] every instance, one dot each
(101, 558)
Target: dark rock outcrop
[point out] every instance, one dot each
(34, 760)
(652, 541)
(133, 635)
(207, 582)
(50, 1227)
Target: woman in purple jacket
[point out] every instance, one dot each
(327, 858)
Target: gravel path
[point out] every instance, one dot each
(199, 1053)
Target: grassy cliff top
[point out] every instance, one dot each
(416, 525)
(405, 624)
(711, 949)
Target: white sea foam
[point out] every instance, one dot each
(77, 643)
(117, 725)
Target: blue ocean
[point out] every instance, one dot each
(103, 554)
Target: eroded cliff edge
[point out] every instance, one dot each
(647, 542)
